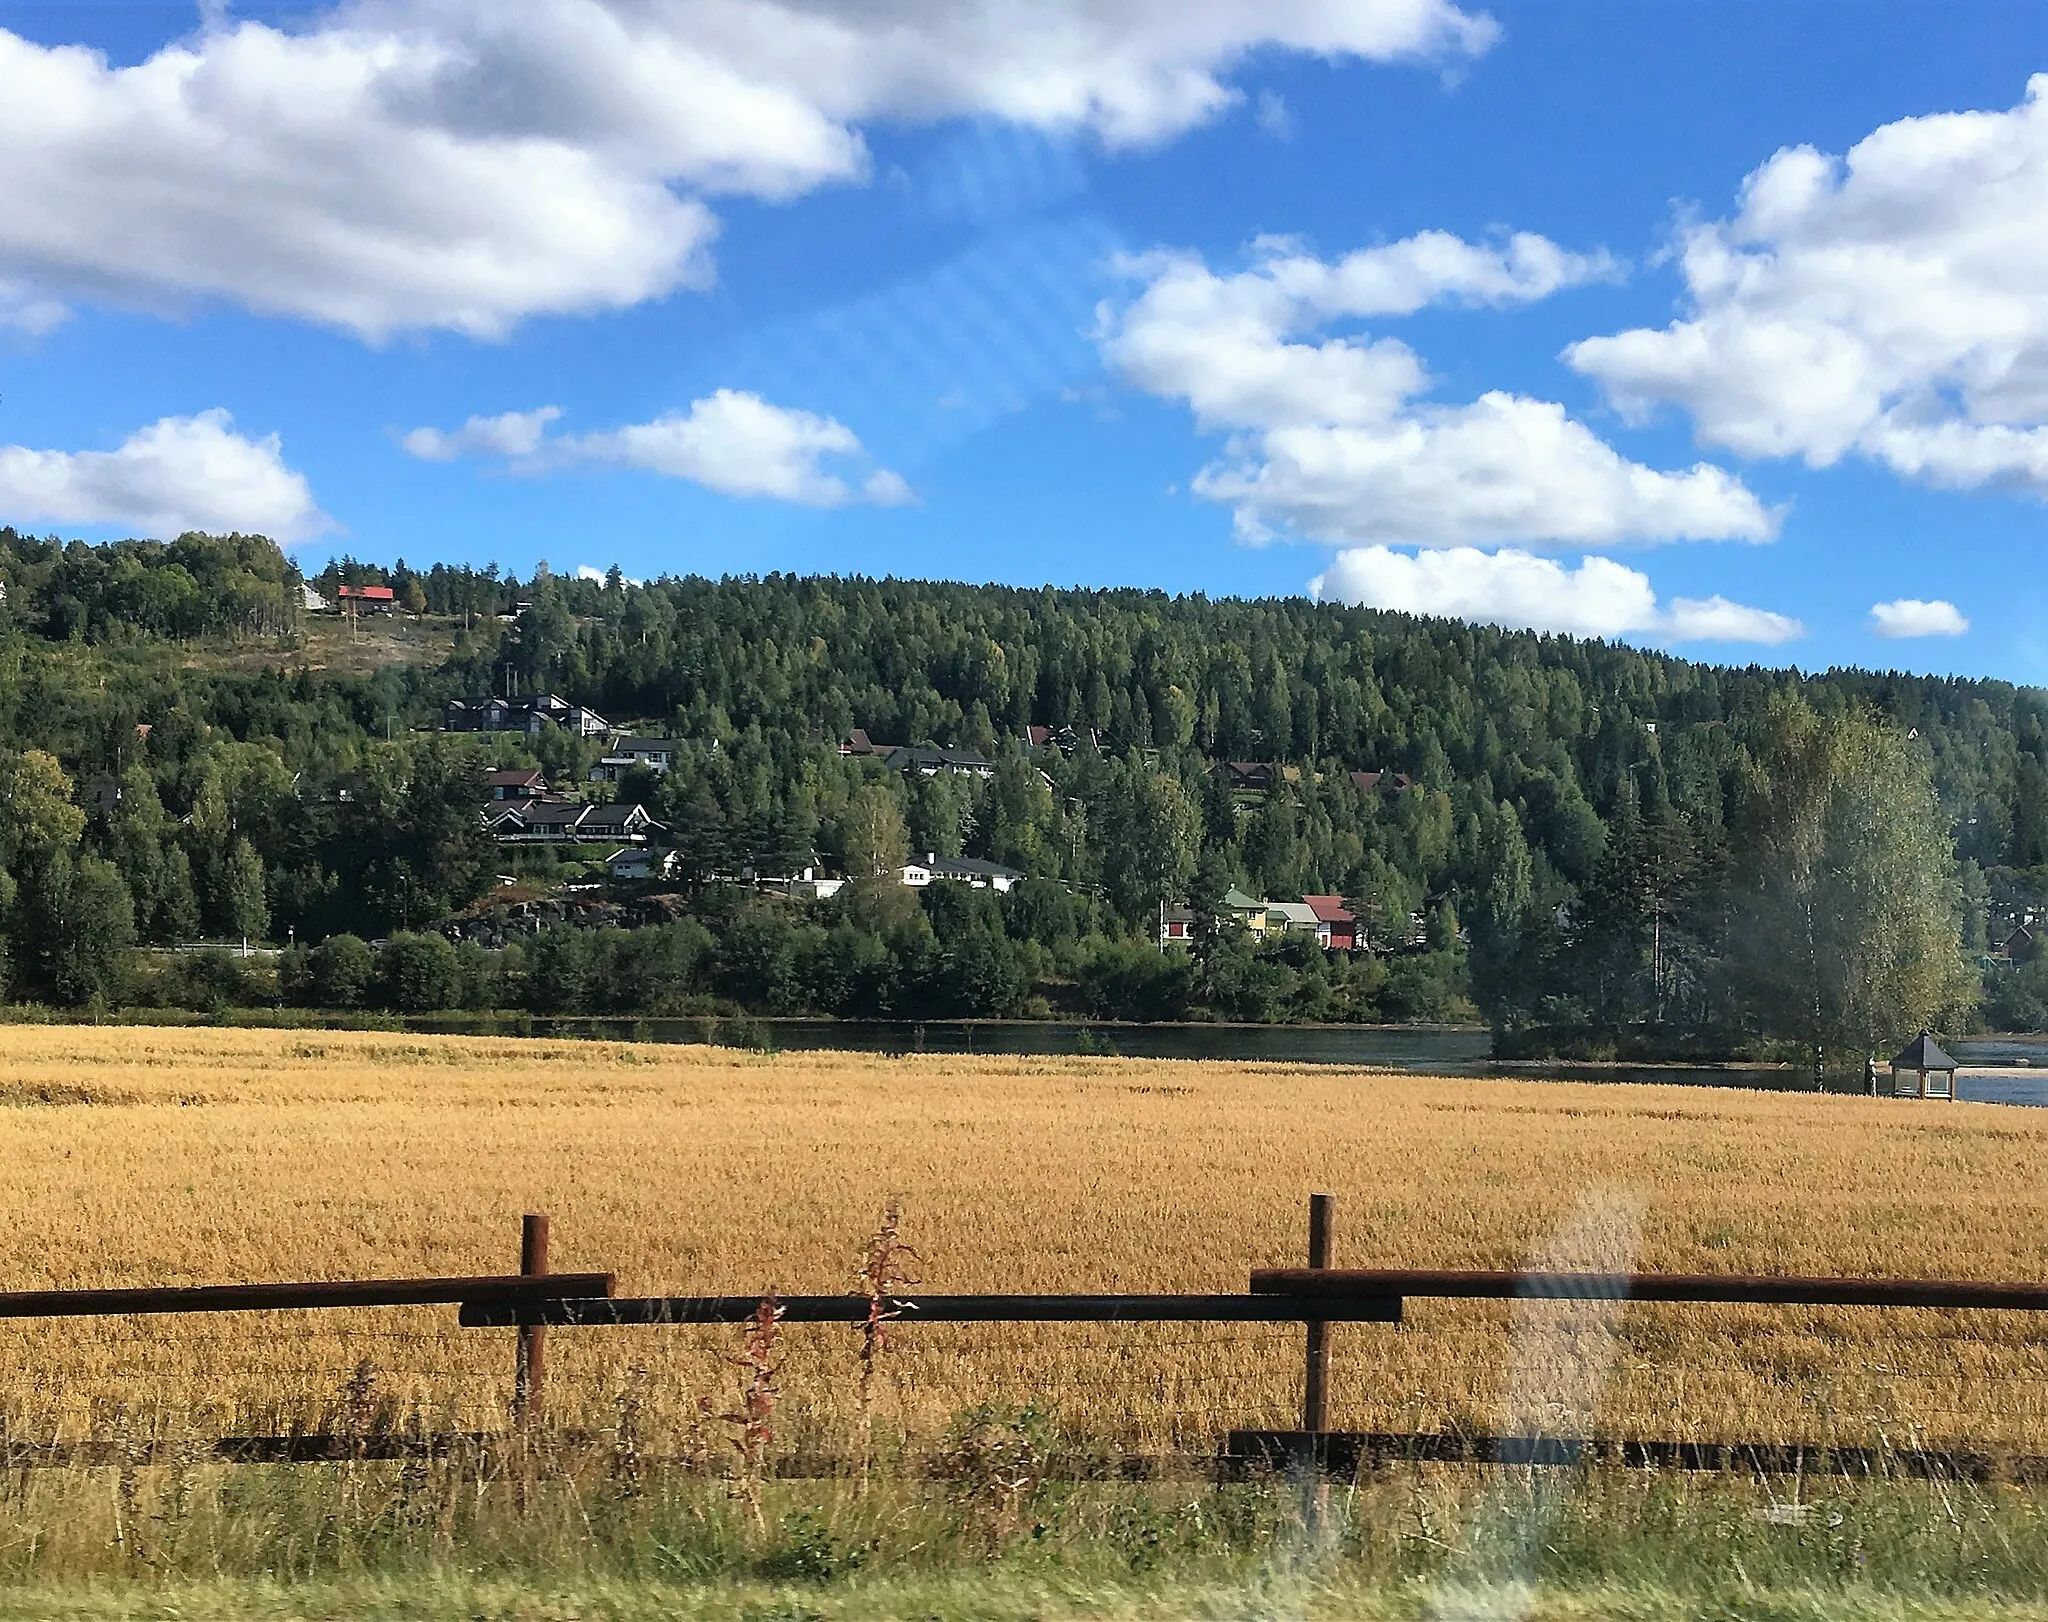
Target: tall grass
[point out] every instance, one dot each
(1401, 1544)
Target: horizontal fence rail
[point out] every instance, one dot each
(509, 1290)
(1318, 1297)
(1338, 1307)
(1246, 1453)
(1696, 1287)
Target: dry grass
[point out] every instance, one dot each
(161, 1156)
(331, 644)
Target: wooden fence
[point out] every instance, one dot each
(1318, 1296)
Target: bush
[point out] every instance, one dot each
(210, 982)
(341, 970)
(1131, 980)
(418, 974)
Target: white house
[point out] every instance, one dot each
(1291, 917)
(658, 755)
(641, 862)
(972, 870)
(969, 870)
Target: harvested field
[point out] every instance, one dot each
(141, 1156)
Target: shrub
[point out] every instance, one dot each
(418, 974)
(342, 968)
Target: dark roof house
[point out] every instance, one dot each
(972, 870)
(1923, 1070)
(1253, 776)
(516, 783)
(532, 714)
(929, 760)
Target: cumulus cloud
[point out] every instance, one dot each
(1329, 437)
(178, 474)
(511, 433)
(1599, 598)
(1911, 616)
(731, 441)
(463, 163)
(1887, 303)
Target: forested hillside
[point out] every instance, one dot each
(1594, 837)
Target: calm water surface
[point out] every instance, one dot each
(2001, 1070)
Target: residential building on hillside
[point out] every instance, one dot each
(642, 862)
(928, 760)
(1063, 739)
(1292, 918)
(657, 755)
(517, 783)
(858, 745)
(367, 599)
(1336, 929)
(1251, 776)
(533, 714)
(1177, 926)
(960, 870)
(1240, 908)
(538, 822)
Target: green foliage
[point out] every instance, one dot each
(72, 926)
(418, 974)
(1845, 905)
(1667, 812)
(341, 972)
(196, 585)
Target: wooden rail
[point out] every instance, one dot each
(1322, 1306)
(1246, 1454)
(1695, 1287)
(1319, 1297)
(507, 1290)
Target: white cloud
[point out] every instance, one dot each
(511, 433)
(586, 571)
(1716, 619)
(1911, 616)
(464, 163)
(1599, 598)
(1887, 304)
(730, 441)
(178, 474)
(27, 312)
(1331, 441)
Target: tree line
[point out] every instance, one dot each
(1600, 842)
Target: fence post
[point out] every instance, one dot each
(529, 1369)
(1322, 1244)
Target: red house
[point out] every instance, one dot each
(1336, 929)
(367, 599)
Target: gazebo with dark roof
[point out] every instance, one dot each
(1923, 1070)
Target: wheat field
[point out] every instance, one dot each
(148, 1156)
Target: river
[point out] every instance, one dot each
(1996, 1069)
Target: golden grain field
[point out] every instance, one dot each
(146, 1156)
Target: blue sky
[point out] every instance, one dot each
(1450, 308)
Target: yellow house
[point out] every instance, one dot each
(1241, 908)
